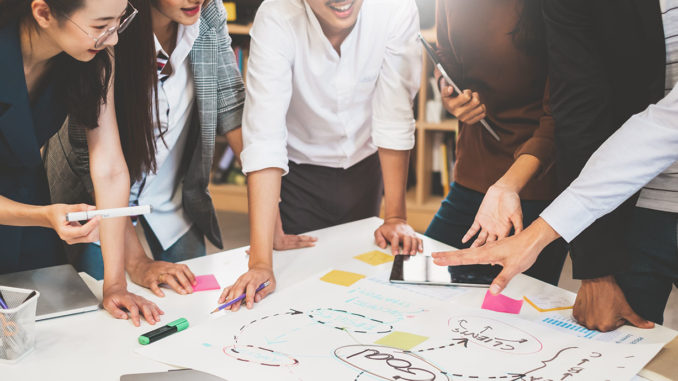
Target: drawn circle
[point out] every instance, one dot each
(530, 345)
(388, 363)
(348, 321)
(259, 355)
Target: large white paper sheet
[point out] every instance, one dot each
(324, 331)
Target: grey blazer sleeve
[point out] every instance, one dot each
(230, 87)
(66, 160)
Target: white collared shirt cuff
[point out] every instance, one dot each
(393, 135)
(258, 156)
(568, 216)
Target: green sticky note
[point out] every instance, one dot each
(402, 340)
(341, 278)
(374, 258)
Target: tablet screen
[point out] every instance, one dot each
(420, 269)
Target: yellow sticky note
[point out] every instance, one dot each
(402, 340)
(341, 278)
(374, 258)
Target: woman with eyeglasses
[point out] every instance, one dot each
(177, 87)
(56, 62)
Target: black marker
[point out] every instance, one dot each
(157, 334)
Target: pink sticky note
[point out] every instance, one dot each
(501, 303)
(206, 283)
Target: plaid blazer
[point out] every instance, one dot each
(220, 97)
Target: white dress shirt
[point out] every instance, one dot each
(642, 148)
(308, 104)
(176, 98)
(662, 192)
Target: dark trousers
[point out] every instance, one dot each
(653, 262)
(315, 197)
(88, 257)
(456, 215)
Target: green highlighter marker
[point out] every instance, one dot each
(157, 334)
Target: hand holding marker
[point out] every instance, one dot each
(241, 297)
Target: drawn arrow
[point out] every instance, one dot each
(456, 341)
(502, 377)
(291, 312)
(521, 341)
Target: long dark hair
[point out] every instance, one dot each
(135, 82)
(83, 85)
(528, 33)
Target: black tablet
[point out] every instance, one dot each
(420, 269)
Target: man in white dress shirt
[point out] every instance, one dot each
(330, 85)
(641, 149)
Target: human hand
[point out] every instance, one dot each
(151, 274)
(498, 213)
(72, 232)
(395, 231)
(601, 305)
(117, 299)
(282, 241)
(248, 283)
(465, 106)
(516, 253)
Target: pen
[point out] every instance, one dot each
(109, 213)
(157, 334)
(2, 302)
(449, 80)
(32, 294)
(240, 298)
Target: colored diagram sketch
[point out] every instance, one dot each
(350, 328)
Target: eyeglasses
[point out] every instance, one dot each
(103, 37)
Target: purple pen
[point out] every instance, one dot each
(241, 297)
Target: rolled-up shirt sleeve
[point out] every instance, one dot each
(640, 150)
(269, 90)
(393, 117)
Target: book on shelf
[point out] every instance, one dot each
(241, 55)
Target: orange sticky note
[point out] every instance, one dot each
(341, 278)
(546, 304)
(374, 258)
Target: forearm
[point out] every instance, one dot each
(234, 138)
(134, 251)
(641, 149)
(263, 192)
(520, 173)
(394, 166)
(112, 192)
(540, 234)
(14, 213)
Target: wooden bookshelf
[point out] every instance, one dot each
(421, 203)
(239, 29)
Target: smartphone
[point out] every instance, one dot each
(420, 269)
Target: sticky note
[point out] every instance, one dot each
(547, 303)
(341, 278)
(374, 258)
(402, 340)
(206, 283)
(501, 303)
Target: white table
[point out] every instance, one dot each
(95, 346)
